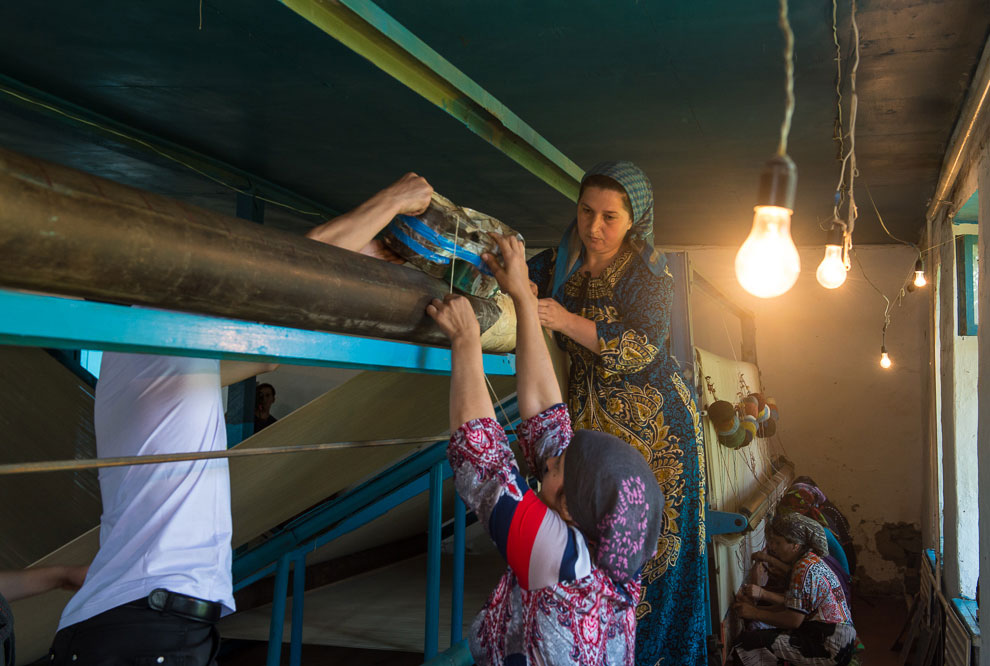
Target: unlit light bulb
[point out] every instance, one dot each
(831, 272)
(884, 359)
(919, 274)
(768, 264)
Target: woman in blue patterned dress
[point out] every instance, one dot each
(607, 294)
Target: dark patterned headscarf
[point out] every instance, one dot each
(798, 529)
(801, 499)
(640, 192)
(613, 497)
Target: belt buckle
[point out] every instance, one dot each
(158, 599)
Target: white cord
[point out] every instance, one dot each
(785, 126)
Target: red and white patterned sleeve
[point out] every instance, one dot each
(544, 436)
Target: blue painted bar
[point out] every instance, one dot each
(278, 612)
(330, 513)
(457, 588)
(458, 655)
(298, 597)
(51, 321)
(255, 577)
(432, 642)
(379, 508)
(724, 522)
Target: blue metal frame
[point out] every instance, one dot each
(426, 469)
(51, 321)
(457, 590)
(432, 639)
(966, 292)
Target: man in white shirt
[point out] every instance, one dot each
(162, 576)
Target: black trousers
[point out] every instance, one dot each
(135, 635)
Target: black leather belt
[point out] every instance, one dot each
(185, 606)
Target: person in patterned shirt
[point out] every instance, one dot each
(810, 624)
(575, 549)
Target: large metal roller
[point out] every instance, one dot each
(66, 232)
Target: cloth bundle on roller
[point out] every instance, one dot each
(738, 425)
(446, 239)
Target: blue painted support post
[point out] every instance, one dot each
(431, 645)
(457, 588)
(278, 611)
(298, 595)
(458, 655)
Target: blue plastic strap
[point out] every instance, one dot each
(418, 248)
(443, 243)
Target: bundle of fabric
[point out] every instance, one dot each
(447, 242)
(738, 425)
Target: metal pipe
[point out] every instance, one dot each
(67, 232)
(157, 459)
(457, 655)
(431, 644)
(962, 132)
(277, 623)
(457, 588)
(298, 597)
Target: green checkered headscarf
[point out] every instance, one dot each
(570, 252)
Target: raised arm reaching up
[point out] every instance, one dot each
(468, 393)
(537, 387)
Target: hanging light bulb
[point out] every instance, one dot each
(884, 359)
(919, 273)
(831, 272)
(768, 264)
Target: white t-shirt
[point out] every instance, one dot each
(163, 525)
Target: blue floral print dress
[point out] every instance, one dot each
(632, 389)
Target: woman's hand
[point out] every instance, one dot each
(553, 315)
(744, 610)
(455, 317)
(749, 593)
(512, 272)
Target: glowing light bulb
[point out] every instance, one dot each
(831, 272)
(768, 264)
(884, 359)
(919, 274)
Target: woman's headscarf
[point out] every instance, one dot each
(613, 497)
(801, 499)
(799, 529)
(640, 192)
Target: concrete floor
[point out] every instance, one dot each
(879, 621)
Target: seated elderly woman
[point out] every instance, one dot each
(810, 623)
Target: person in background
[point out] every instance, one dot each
(811, 622)
(575, 549)
(607, 294)
(162, 576)
(264, 398)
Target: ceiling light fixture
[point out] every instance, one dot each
(768, 264)
(831, 272)
(919, 273)
(884, 358)
(838, 243)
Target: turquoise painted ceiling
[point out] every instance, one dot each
(693, 92)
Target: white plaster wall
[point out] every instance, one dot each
(967, 478)
(857, 429)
